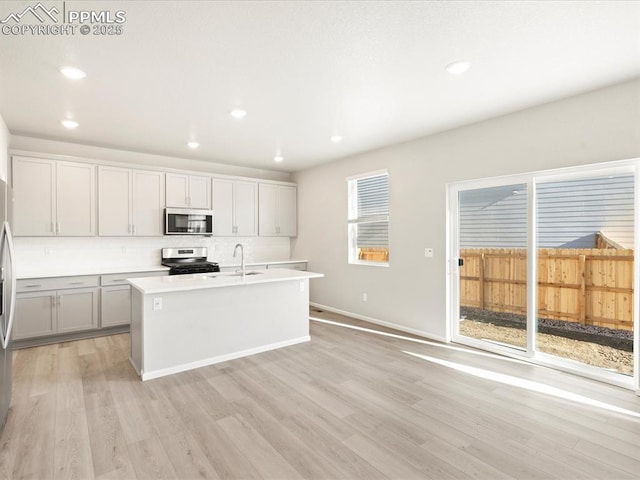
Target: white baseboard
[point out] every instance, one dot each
(221, 358)
(382, 323)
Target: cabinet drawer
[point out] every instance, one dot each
(56, 283)
(293, 266)
(121, 278)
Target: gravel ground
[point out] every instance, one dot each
(600, 348)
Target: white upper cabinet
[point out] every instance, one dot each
(130, 202)
(148, 203)
(75, 199)
(235, 208)
(57, 197)
(246, 208)
(188, 191)
(223, 223)
(53, 198)
(277, 210)
(287, 211)
(114, 201)
(34, 196)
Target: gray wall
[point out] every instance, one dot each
(599, 126)
(4, 145)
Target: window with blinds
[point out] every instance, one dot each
(368, 218)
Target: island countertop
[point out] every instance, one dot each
(197, 281)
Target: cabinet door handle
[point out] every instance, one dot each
(133, 228)
(57, 228)
(76, 283)
(33, 286)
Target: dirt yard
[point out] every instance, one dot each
(581, 351)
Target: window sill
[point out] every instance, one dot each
(370, 264)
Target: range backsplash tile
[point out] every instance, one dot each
(35, 254)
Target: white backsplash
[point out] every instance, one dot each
(37, 254)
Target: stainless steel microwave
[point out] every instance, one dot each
(188, 221)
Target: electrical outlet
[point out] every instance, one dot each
(47, 251)
(157, 303)
(428, 252)
(364, 297)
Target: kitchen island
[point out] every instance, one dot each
(182, 322)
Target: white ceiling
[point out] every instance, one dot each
(372, 72)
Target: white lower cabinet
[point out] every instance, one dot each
(41, 311)
(115, 297)
(115, 306)
(35, 315)
(77, 309)
(55, 306)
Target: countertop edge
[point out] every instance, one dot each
(80, 273)
(133, 269)
(155, 285)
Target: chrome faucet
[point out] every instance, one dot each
(235, 250)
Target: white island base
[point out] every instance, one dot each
(189, 321)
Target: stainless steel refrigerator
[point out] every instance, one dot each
(7, 299)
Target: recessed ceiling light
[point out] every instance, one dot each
(458, 68)
(70, 124)
(193, 144)
(336, 138)
(278, 158)
(73, 73)
(238, 113)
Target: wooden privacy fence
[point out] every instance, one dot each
(588, 286)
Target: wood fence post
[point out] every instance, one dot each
(481, 281)
(582, 296)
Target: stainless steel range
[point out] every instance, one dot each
(186, 260)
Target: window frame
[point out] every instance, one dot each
(353, 220)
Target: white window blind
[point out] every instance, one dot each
(369, 218)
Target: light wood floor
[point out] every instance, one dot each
(349, 404)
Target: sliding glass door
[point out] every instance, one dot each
(543, 267)
(493, 264)
(585, 238)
